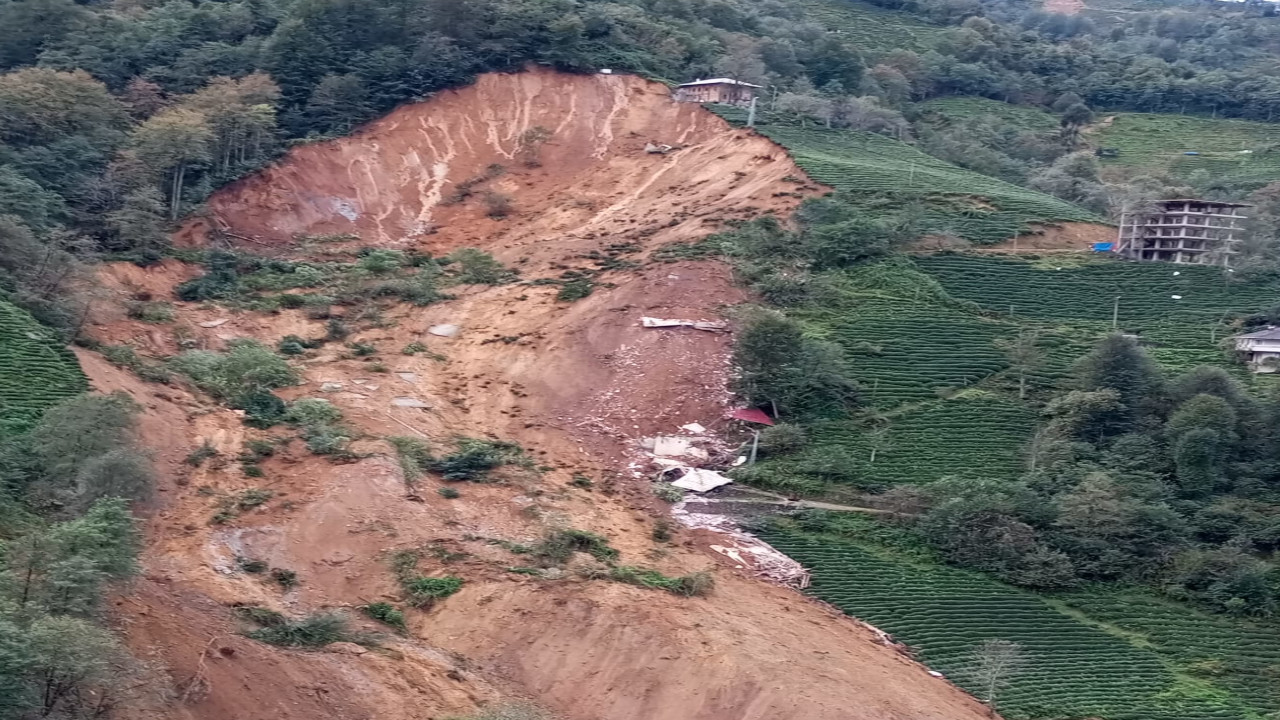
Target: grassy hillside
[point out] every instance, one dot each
(36, 370)
(1018, 116)
(953, 200)
(1236, 152)
(1076, 667)
(871, 27)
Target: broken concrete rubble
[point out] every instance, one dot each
(707, 325)
(700, 481)
(674, 447)
(409, 402)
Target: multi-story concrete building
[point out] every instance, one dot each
(1183, 231)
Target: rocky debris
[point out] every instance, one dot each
(410, 402)
(445, 330)
(345, 648)
(214, 323)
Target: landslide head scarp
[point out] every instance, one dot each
(513, 160)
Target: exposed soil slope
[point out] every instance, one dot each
(575, 384)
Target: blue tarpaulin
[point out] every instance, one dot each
(1103, 247)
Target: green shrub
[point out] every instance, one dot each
(449, 493)
(246, 367)
(262, 409)
(414, 348)
(314, 631)
(336, 329)
(414, 455)
(424, 591)
(693, 584)
(261, 616)
(387, 614)
(312, 411)
(252, 498)
(474, 459)
(221, 279)
(668, 492)
(327, 439)
(476, 267)
(362, 349)
(288, 579)
(559, 545)
(575, 289)
(381, 262)
(151, 312)
(782, 438)
(251, 470)
(582, 481)
(293, 345)
(662, 530)
(251, 565)
(197, 457)
(255, 450)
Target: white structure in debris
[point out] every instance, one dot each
(1261, 349)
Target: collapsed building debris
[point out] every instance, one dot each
(707, 325)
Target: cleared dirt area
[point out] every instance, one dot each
(576, 384)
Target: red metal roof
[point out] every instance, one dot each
(753, 415)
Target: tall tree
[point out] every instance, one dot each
(1024, 354)
(1118, 363)
(170, 144)
(992, 666)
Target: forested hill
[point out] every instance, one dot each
(116, 118)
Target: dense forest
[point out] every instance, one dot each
(117, 118)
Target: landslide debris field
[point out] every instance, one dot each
(515, 395)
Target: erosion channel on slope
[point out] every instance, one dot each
(576, 384)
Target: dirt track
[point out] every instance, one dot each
(579, 384)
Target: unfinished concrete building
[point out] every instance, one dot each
(1183, 231)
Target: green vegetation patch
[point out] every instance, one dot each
(36, 371)
(1073, 669)
(954, 201)
(905, 351)
(1237, 655)
(1018, 116)
(975, 433)
(1178, 311)
(874, 28)
(1234, 152)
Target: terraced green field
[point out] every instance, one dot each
(1176, 310)
(870, 27)
(1237, 655)
(1019, 116)
(893, 346)
(976, 433)
(1074, 670)
(36, 370)
(956, 201)
(1233, 151)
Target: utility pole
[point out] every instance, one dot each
(1115, 314)
(751, 113)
